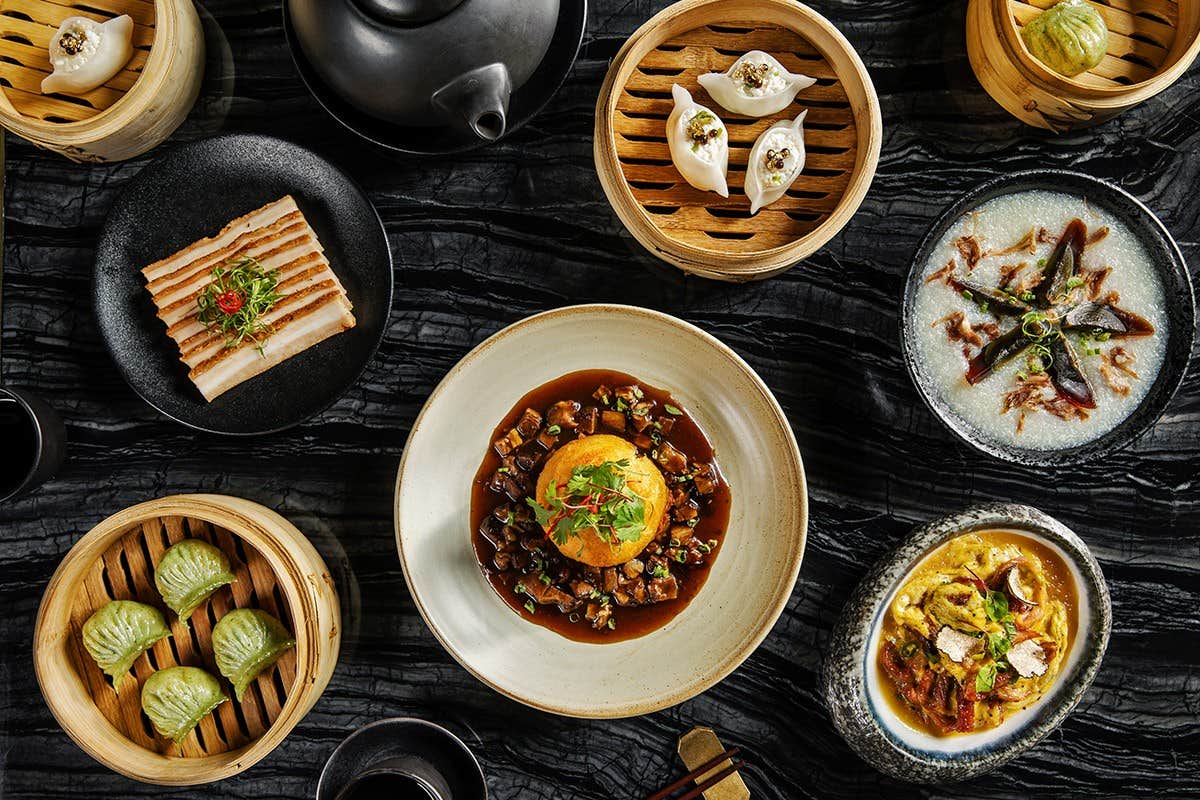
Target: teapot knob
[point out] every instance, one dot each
(407, 12)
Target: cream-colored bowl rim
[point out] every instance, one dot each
(766, 621)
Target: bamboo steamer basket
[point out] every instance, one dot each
(138, 108)
(277, 570)
(1151, 44)
(700, 232)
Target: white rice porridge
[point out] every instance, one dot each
(1001, 223)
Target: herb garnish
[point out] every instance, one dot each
(596, 497)
(235, 301)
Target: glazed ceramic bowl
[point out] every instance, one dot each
(1167, 260)
(748, 586)
(856, 696)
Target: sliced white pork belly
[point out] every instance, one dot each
(312, 307)
(327, 315)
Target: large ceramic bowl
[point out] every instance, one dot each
(750, 581)
(1167, 261)
(856, 697)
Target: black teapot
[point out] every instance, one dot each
(427, 62)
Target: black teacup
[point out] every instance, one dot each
(402, 759)
(397, 779)
(33, 443)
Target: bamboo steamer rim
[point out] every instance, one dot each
(1181, 55)
(713, 262)
(169, 16)
(315, 627)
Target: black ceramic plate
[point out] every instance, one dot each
(191, 193)
(525, 103)
(415, 746)
(1177, 287)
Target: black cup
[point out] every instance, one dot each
(33, 443)
(397, 779)
(402, 759)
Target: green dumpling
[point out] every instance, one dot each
(246, 642)
(177, 698)
(119, 632)
(1069, 38)
(188, 573)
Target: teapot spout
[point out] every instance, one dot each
(477, 100)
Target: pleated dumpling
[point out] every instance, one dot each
(85, 54)
(177, 698)
(756, 85)
(246, 642)
(699, 143)
(188, 573)
(776, 160)
(119, 632)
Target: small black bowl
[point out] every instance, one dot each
(48, 445)
(1177, 288)
(434, 754)
(525, 103)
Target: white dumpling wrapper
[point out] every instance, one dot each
(101, 49)
(765, 185)
(703, 166)
(779, 88)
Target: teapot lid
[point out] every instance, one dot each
(408, 12)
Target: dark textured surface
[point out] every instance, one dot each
(485, 239)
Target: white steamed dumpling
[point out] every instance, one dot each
(776, 159)
(756, 85)
(85, 54)
(699, 143)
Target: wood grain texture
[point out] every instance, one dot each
(485, 239)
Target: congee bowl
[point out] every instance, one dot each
(855, 692)
(1165, 261)
(750, 580)
(701, 232)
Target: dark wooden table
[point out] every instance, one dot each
(485, 239)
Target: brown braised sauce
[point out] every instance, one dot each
(684, 435)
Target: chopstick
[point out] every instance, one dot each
(662, 794)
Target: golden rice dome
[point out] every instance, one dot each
(642, 478)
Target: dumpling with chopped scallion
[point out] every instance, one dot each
(245, 643)
(776, 160)
(699, 143)
(755, 85)
(177, 698)
(119, 632)
(188, 573)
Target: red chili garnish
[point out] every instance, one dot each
(230, 301)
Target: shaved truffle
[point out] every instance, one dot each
(1027, 658)
(956, 644)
